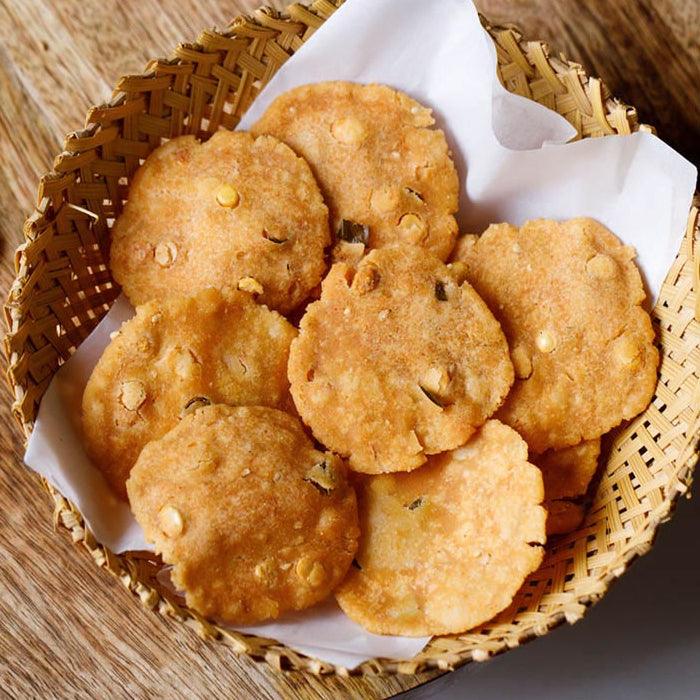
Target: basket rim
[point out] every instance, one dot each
(507, 38)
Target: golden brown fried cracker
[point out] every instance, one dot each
(234, 211)
(568, 296)
(445, 547)
(223, 347)
(568, 471)
(379, 163)
(254, 520)
(563, 517)
(396, 361)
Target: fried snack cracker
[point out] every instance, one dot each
(233, 211)
(568, 472)
(386, 174)
(254, 520)
(568, 297)
(397, 360)
(563, 517)
(446, 547)
(180, 353)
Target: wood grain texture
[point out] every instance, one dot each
(68, 629)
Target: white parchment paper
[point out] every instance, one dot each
(514, 163)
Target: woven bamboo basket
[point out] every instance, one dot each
(63, 288)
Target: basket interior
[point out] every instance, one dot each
(63, 287)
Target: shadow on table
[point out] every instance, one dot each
(641, 641)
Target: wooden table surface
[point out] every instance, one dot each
(68, 629)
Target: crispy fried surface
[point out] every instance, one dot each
(396, 361)
(236, 209)
(444, 548)
(563, 517)
(254, 520)
(568, 471)
(377, 158)
(568, 297)
(223, 347)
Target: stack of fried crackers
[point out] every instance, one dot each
(326, 390)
